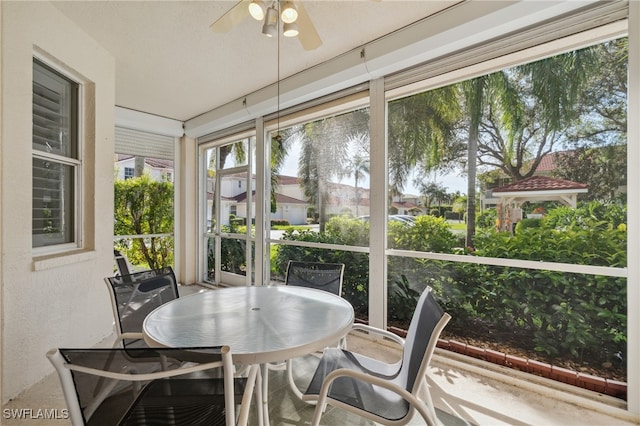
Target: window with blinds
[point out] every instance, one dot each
(56, 161)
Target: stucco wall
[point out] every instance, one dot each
(58, 300)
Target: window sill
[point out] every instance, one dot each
(51, 261)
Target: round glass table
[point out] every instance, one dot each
(261, 324)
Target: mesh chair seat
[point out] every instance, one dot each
(109, 386)
(384, 393)
(183, 401)
(357, 393)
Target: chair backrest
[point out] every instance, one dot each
(318, 275)
(122, 263)
(426, 325)
(134, 296)
(104, 383)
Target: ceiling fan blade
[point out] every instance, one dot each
(308, 35)
(233, 17)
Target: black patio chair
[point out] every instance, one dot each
(124, 267)
(111, 387)
(317, 275)
(389, 394)
(134, 296)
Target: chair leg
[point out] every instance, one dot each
(254, 385)
(321, 406)
(292, 383)
(425, 396)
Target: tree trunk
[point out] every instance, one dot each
(138, 167)
(472, 153)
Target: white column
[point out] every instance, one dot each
(378, 206)
(633, 228)
(262, 199)
(186, 211)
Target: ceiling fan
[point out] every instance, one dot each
(296, 21)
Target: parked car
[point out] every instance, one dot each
(408, 219)
(402, 218)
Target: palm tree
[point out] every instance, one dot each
(474, 94)
(422, 134)
(358, 166)
(428, 190)
(237, 149)
(323, 155)
(280, 146)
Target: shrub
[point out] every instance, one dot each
(564, 313)
(238, 221)
(587, 214)
(348, 230)
(427, 234)
(144, 206)
(451, 215)
(402, 300)
(576, 316)
(528, 223)
(280, 222)
(487, 218)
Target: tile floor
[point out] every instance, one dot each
(463, 393)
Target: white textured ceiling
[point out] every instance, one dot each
(169, 63)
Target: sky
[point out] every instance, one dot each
(451, 181)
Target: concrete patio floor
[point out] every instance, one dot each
(465, 392)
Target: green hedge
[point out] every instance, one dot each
(575, 316)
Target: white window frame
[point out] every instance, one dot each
(129, 175)
(76, 163)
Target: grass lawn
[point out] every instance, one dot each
(458, 226)
(288, 227)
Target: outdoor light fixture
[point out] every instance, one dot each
(256, 9)
(289, 12)
(270, 27)
(290, 30)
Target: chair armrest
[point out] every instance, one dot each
(130, 335)
(119, 340)
(374, 330)
(134, 376)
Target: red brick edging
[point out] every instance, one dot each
(587, 381)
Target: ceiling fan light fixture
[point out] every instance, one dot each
(289, 12)
(256, 9)
(270, 27)
(290, 30)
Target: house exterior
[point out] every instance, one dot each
(408, 204)
(158, 169)
(291, 204)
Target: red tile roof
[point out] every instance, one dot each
(547, 163)
(280, 198)
(288, 180)
(158, 163)
(541, 183)
(405, 204)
